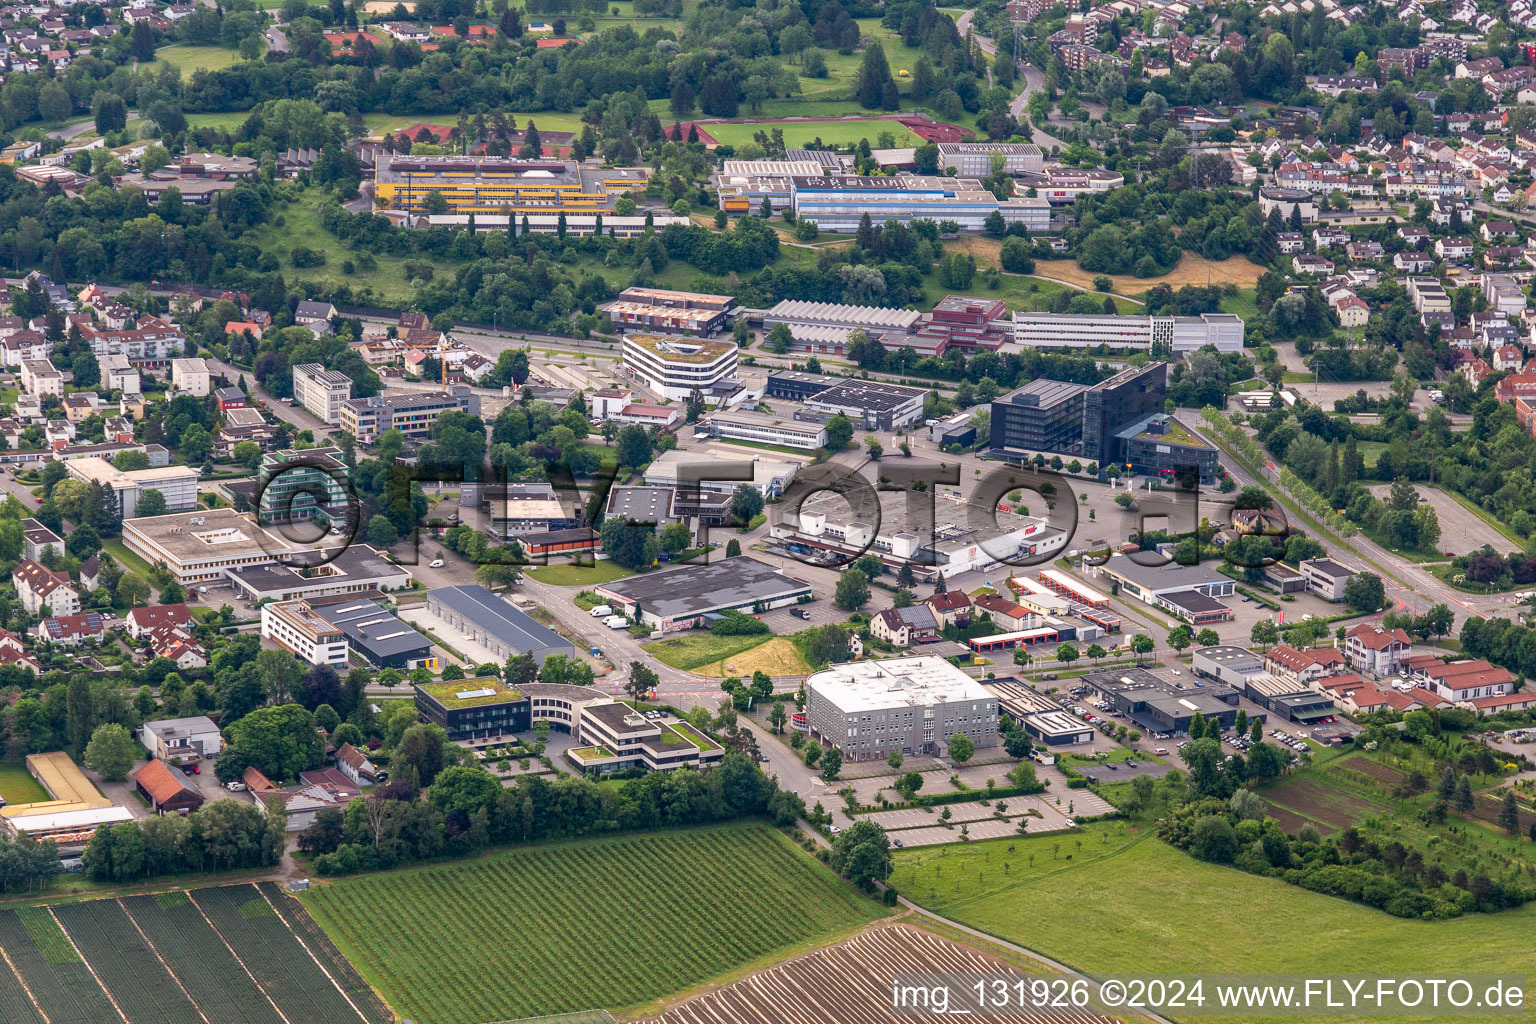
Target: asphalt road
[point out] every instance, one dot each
(1034, 81)
(75, 130)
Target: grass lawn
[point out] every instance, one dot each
(1245, 304)
(301, 228)
(127, 559)
(495, 937)
(1370, 451)
(798, 133)
(198, 58)
(1115, 891)
(18, 786)
(567, 575)
(693, 735)
(697, 650)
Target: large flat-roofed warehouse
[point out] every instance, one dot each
(1291, 701)
(1159, 707)
(1189, 591)
(805, 318)
(353, 570)
(870, 709)
(383, 639)
(952, 538)
(742, 185)
(691, 595)
(869, 404)
(838, 204)
(496, 625)
(1182, 334)
(202, 546)
(495, 185)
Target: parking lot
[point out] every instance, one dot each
(1461, 530)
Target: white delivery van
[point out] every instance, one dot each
(601, 611)
(616, 622)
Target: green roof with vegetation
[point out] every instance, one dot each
(1175, 433)
(590, 753)
(692, 735)
(447, 692)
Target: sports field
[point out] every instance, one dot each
(578, 926)
(239, 954)
(1128, 903)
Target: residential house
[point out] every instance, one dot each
(1303, 667)
(1377, 651)
(952, 608)
(900, 627)
(38, 586)
(71, 630)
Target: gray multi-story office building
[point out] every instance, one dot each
(867, 710)
(1077, 419)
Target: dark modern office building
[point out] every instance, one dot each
(1110, 406)
(1163, 447)
(1041, 416)
(1083, 421)
(474, 709)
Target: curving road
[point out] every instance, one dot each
(1034, 81)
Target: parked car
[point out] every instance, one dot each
(235, 787)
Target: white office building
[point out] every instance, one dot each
(309, 635)
(675, 367)
(1182, 334)
(974, 159)
(765, 428)
(870, 709)
(838, 204)
(321, 391)
(177, 484)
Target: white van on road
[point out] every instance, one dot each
(601, 611)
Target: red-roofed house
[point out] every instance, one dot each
(70, 630)
(177, 645)
(1516, 385)
(1465, 680)
(37, 585)
(1364, 700)
(951, 607)
(354, 764)
(1502, 702)
(1006, 616)
(1339, 685)
(143, 621)
(1368, 649)
(1508, 357)
(1303, 666)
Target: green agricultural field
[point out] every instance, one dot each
(198, 58)
(18, 786)
(608, 924)
(798, 133)
(697, 649)
(566, 575)
(1127, 903)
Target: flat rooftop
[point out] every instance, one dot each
(1018, 699)
(873, 395)
(1171, 576)
(355, 565)
(210, 533)
(897, 682)
(676, 350)
(1044, 393)
(699, 588)
(375, 630)
(471, 693)
(838, 313)
(1057, 723)
(643, 504)
(1194, 602)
